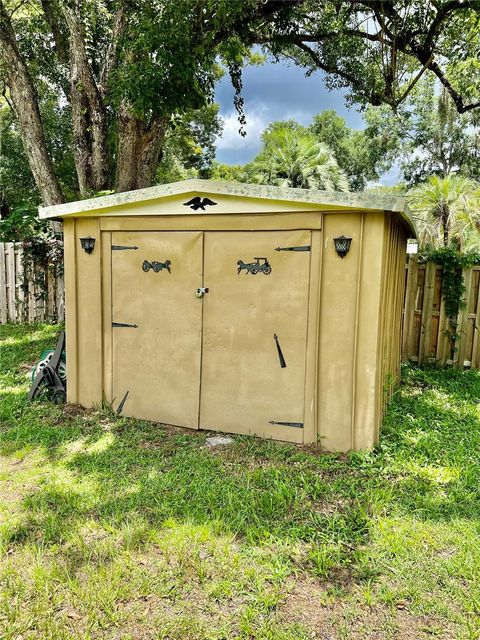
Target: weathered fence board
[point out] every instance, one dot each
(22, 298)
(3, 286)
(429, 335)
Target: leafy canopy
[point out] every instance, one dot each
(427, 135)
(291, 156)
(362, 154)
(159, 60)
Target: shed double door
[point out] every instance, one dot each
(231, 360)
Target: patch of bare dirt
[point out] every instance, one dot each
(74, 410)
(311, 604)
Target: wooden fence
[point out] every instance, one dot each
(428, 333)
(38, 296)
(28, 295)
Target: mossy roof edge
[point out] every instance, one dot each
(350, 200)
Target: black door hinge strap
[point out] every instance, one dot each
(124, 324)
(297, 425)
(304, 248)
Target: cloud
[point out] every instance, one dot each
(273, 91)
(231, 140)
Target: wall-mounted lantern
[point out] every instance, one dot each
(88, 244)
(342, 245)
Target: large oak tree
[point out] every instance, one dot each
(126, 69)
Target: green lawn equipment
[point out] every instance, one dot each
(49, 375)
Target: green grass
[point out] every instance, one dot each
(119, 528)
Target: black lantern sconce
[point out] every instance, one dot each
(88, 244)
(342, 245)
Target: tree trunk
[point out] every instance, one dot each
(81, 138)
(445, 224)
(139, 148)
(25, 102)
(88, 113)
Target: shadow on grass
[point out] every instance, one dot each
(20, 347)
(115, 471)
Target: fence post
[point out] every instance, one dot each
(409, 311)
(60, 298)
(10, 261)
(475, 361)
(426, 324)
(462, 321)
(3, 285)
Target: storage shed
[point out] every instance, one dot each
(240, 308)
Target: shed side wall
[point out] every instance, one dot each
(395, 238)
(365, 418)
(70, 276)
(84, 320)
(338, 304)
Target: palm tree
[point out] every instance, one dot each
(291, 158)
(447, 212)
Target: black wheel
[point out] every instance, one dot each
(43, 393)
(268, 270)
(59, 396)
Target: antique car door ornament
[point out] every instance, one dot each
(254, 267)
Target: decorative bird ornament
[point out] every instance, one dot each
(199, 203)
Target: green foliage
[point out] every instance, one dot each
(21, 223)
(162, 58)
(189, 149)
(169, 57)
(41, 242)
(19, 189)
(447, 212)
(378, 52)
(139, 530)
(18, 185)
(42, 246)
(426, 135)
(453, 286)
(228, 172)
(363, 155)
(292, 157)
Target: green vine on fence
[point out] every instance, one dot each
(42, 247)
(452, 262)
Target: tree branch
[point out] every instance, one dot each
(52, 17)
(111, 57)
(87, 105)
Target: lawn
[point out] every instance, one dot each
(119, 528)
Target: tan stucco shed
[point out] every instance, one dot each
(226, 307)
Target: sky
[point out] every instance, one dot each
(273, 92)
(276, 91)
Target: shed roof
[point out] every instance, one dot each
(321, 200)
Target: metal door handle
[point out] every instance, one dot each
(201, 291)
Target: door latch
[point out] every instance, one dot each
(201, 291)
